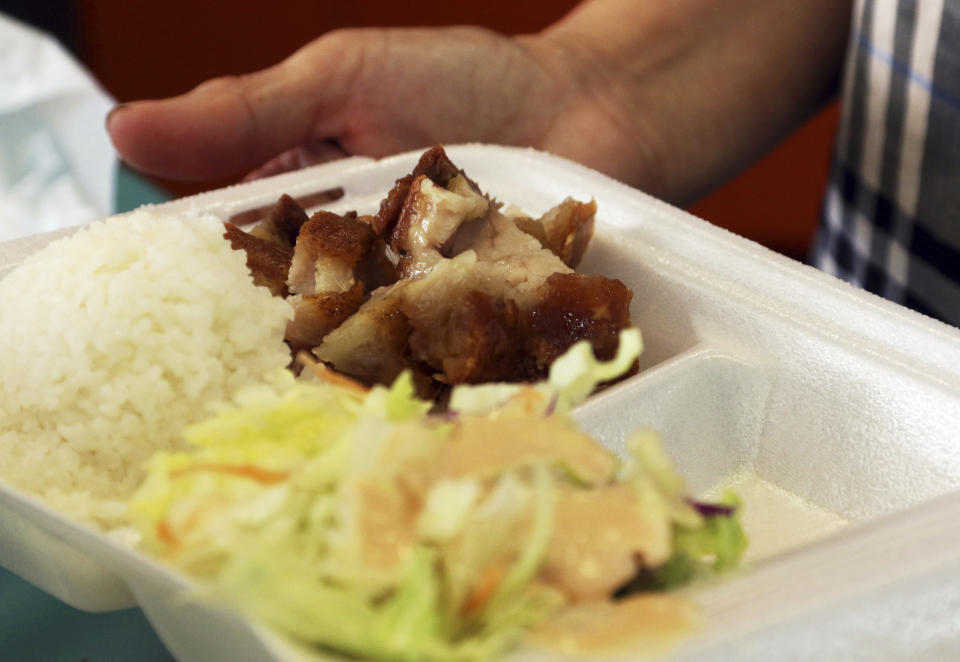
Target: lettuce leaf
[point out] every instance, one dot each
(714, 546)
(573, 376)
(718, 544)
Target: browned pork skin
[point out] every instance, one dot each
(430, 217)
(267, 261)
(566, 229)
(337, 260)
(433, 164)
(576, 307)
(304, 201)
(282, 223)
(327, 254)
(316, 315)
(477, 342)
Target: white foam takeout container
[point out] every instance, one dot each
(835, 414)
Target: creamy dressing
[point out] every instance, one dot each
(599, 528)
(647, 625)
(643, 625)
(481, 446)
(597, 536)
(385, 523)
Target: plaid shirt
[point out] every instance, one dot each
(891, 217)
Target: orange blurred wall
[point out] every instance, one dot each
(155, 49)
(777, 201)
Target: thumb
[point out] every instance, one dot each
(230, 125)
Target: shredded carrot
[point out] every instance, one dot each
(484, 590)
(330, 376)
(165, 533)
(259, 474)
(530, 399)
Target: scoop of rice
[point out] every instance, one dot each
(111, 341)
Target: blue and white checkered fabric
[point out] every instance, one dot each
(891, 217)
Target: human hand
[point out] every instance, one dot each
(669, 97)
(377, 92)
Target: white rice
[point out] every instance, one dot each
(115, 338)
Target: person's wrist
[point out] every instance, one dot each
(699, 88)
(599, 121)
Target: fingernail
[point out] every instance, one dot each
(112, 113)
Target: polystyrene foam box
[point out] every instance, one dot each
(833, 413)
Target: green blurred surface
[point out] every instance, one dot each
(35, 627)
(131, 190)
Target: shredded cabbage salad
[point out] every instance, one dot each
(357, 521)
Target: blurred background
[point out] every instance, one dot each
(149, 50)
(139, 49)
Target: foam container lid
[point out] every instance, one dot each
(833, 413)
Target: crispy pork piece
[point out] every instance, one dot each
(428, 220)
(507, 256)
(436, 166)
(575, 307)
(304, 202)
(476, 341)
(390, 206)
(371, 345)
(463, 322)
(336, 261)
(334, 252)
(484, 297)
(267, 261)
(316, 315)
(439, 282)
(282, 223)
(566, 229)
